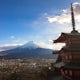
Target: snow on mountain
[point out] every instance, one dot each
(30, 45)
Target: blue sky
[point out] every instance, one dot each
(30, 20)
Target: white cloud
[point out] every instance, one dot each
(8, 46)
(65, 16)
(77, 8)
(49, 45)
(58, 46)
(12, 37)
(45, 45)
(15, 39)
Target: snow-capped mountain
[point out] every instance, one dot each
(28, 50)
(29, 45)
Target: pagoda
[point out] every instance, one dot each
(69, 55)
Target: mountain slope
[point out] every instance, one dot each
(28, 53)
(29, 50)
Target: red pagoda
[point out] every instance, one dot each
(69, 63)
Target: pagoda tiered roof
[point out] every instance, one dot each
(65, 36)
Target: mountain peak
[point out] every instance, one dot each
(30, 45)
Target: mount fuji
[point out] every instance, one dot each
(28, 50)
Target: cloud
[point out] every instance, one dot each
(12, 37)
(65, 16)
(44, 45)
(15, 39)
(77, 8)
(8, 46)
(49, 45)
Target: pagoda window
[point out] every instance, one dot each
(70, 72)
(70, 57)
(66, 57)
(66, 72)
(63, 57)
(62, 71)
(69, 42)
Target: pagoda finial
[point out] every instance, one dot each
(72, 15)
(73, 20)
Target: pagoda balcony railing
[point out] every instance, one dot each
(67, 73)
(71, 74)
(73, 61)
(73, 45)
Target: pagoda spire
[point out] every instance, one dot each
(73, 19)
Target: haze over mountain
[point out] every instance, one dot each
(29, 50)
(8, 47)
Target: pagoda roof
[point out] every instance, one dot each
(64, 36)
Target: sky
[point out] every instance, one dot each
(35, 20)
